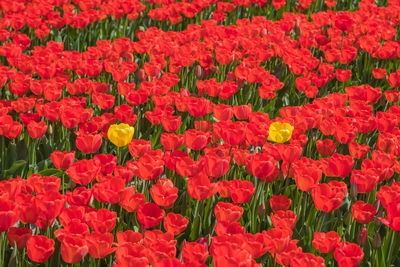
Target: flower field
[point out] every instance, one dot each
(199, 133)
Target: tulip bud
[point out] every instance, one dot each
(109, 89)
(261, 210)
(377, 242)
(50, 129)
(230, 76)
(353, 190)
(204, 241)
(362, 237)
(199, 72)
(142, 75)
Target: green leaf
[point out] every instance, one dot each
(15, 168)
(51, 172)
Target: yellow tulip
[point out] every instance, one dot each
(280, 132)
(120, 134)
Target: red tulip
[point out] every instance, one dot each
(100, 244)
(194, 253)
(18, 236)
(8, 216)
(62, 159)
(130, 200)
(39, 248)
(229, 212)
(307, 259)
(102, 220)
(175, 223)
(164, 193)
(363, 212)
(73, 249)
(88, 143)
(348, 254)
(280, 202)
(200, 187)
(37, 129)
(150, 215)
(326, 242)
(241, 191)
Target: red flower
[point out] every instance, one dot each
(263, 166)
(150, 215)
(277, 239)
(139, 147)
(152, 68)
(17, 236)
(171, 123)
(242, 112)
(327, 197)
(358, 151)
(363, 212)
(37, 129)
(48, 205)
(233, 133)
(200, 187)
(348, 254)
(171, 141)
(73, 249)
(284, 219)
(130, 200)
(343, 75)
(83, 171)
(8, 216)
(286, 256)
(129, 236)
(187, 167)
(196, 140)
(338, 165)
(150, 165)
(124, 113)
(223, 112)
(378, 73)
(364, 179)
(62, 159)
(81, 196)
(88, 143)
(132, 255)
(102, 220)
(216, 165)
(326, 242)
(307, 259)
(175, 223)
(164, 193)
(100, 244)
(109, 190)
(280, 202)
(229, 212)
(107, 163)
(307, 177)
(194, 253)
(241, 191)
(393, 216)
(39, 248)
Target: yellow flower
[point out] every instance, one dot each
(120, 134)
(280, 132)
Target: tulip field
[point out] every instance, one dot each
(235, 133)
